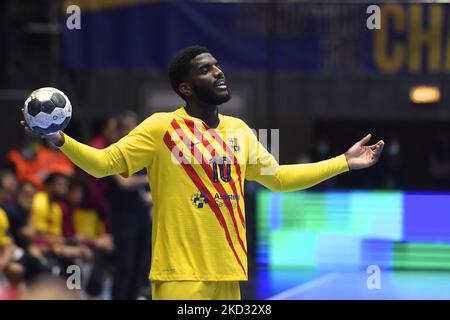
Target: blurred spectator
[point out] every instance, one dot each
(391, 166)
(131, 225)
(439, 162)
(89, 229)
(98, 195)
(19, 214)
(109, 133)
(46, 213)
(9, 253)
(8, 186)
(34, 161)
(49, 220)
(23, 232)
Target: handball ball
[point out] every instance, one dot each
(47, 111)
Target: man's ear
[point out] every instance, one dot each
(185, 89)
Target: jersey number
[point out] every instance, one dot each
(224, 169)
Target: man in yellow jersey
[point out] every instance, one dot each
(197, 161)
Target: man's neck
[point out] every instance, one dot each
(209, 114)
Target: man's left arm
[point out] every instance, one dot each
(282, 178)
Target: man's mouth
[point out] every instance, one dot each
(220, 84)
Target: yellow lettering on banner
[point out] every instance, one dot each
(429, 37)
(385, 61)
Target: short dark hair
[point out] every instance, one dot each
(52, 177)
(23, 184)
(79, 181)
(179, 65)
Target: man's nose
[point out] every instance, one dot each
(218, 72)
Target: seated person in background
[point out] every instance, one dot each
(23, 232)
(8, 253)
(89, 228)
(36, 159)
(48, 220)
(8, 249)
(19, 215)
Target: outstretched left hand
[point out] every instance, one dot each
(360, 156)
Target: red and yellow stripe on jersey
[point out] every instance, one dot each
(206, 160)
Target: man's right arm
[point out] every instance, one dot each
(96, 162)
(130, 154)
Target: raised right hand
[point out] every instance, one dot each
(55, 138)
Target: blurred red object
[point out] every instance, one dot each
(9, 292)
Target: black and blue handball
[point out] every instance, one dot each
(47, 111)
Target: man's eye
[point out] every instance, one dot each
(204, 70)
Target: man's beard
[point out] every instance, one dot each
(209, 96)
